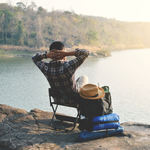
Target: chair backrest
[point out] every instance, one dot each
(64, 97)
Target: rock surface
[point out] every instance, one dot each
(22, 130)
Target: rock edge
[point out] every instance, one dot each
(22, 130)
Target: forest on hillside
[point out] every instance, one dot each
(34, 26)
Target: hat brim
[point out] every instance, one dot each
(99, 95)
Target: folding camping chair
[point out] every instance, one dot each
(67, 99)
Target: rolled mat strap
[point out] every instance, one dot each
(106, 126)
(85, 135)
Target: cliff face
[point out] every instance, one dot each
(22, 130)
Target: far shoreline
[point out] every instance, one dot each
(18, 51)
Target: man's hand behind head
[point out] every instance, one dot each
(56, 54)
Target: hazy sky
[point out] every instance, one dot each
(124, 10)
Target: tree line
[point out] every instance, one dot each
(33, 26)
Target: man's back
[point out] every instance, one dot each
(61, 73)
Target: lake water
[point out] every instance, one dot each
(126, 72)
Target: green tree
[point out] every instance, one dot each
(21, 6)
(6, 18)
(20, 34)
(32, 5)
(92, 37)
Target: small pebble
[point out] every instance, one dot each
(66, 147)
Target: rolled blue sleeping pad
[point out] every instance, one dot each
(106, 118)
(85, 135)
(113, 125)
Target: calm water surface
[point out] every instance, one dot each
(127, 73)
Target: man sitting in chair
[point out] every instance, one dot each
(59, 72)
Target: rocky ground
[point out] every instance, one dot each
(22, 130)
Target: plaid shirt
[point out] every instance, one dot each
(61, 73)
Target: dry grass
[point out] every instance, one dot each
(35, 49)
(22, 48)
(88, 47)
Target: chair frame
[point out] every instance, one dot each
(55, 105)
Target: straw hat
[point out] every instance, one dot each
(91, 91)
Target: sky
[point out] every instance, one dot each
(123, 10)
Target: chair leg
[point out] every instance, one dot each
(54, 110)
(78, 117)
(75, 122)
